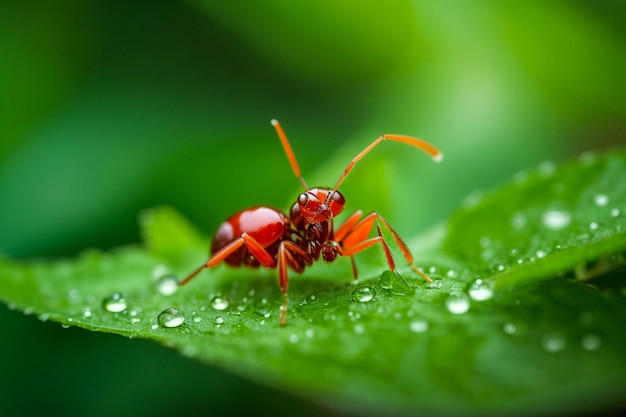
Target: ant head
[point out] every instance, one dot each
(320, 204)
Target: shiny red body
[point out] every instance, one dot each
(264, 236)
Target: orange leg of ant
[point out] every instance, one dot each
(285, 258)
(253, 246)
(356, 240)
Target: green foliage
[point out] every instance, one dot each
(524, 315)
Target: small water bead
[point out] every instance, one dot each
(363, 294)
(556, 219)
(547, 168)
(418, 326)
(601, 200)
(591, 342)
(540, 254)
(458, 303)
(115, 303)
(167, 284)
(553, 342)
(509, 328)
(219, 320)
(263, 312)
(480, 290)
(435, 284)
(219, 303)
(386, 281)
(293, 338)
(171, 317)
(197, 319)
(615, 212)
(359, 328)
(519, 220)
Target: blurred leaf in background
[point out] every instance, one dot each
(110, 108)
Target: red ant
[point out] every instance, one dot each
(266, 236)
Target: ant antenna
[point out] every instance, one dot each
(420, 144)
(290, 155)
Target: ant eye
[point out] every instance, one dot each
(339, 198)
(303, 199)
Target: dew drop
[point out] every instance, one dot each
(591, 342)
(458, 303)
(293, 338)
(197, 319)
(435, 284)
(359, 328)
(167, 284)
(509, 328)
(615, 212)
(386, 281)
(556, 219)
(171, 317)
(115, 303)
(219, 303)
(547, 168)
(418, 326)
(87, 313)
(553, 342)
(219, 320)
(263, 312)
(480, 290)
(601, 200)
(541, 254)
(363, 294)
(519, 220)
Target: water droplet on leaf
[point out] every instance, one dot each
(601, 200)
(219, 303)
(458, 303)
(363, 294)
(167, 284)
(115, 303)
(556, 219)
(171, 317)
(509, 328)
(591, 342)
(418, 326)
(553, 342)
(480, 290)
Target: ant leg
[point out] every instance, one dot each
(253, 246)
(403, 248)
(356, 241)
(285, 258)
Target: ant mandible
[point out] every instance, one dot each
(266, 236)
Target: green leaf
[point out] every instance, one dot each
(524, 315)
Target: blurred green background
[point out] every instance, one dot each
(107, 108)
